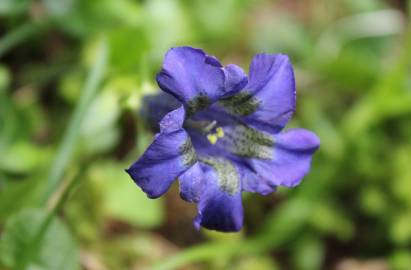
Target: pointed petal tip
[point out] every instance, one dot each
(212, 60)
(188, 198)
(149, 194)
(153, 196)
(173, 120)
(311, 139)
(300, 138)
(233, 229)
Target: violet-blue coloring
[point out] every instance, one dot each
(221, 134)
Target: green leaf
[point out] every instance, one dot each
(27, 191)
(127, 47)
(23, 157)
(123, 200)
(21, 247)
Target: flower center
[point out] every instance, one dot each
(213, 137)
(206, 128)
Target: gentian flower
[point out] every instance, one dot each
(224, 135)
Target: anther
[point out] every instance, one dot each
(212, 138)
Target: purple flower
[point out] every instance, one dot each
(224, 138)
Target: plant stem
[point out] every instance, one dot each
(69, 141)
(213, 250)
(54, 206)
(65, 151)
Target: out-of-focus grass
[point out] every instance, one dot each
(353, 71)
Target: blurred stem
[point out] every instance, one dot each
(55, 203)
(213, 250)
(69, 141)
(294, 215)
(226, 250)
(20, 34)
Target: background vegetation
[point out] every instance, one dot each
(72, 77)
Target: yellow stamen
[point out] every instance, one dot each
(212, 138)
(220, 132)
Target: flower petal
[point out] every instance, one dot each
(243, 144)
(235, 79)
(268, 100)
(192, 183)
(220, 207)
(170, 155)
(173, 121)
(192, 76)
(252, 181)
(290, 162)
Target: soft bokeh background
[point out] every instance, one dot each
(72, 77)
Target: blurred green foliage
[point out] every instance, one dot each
(72, 77)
